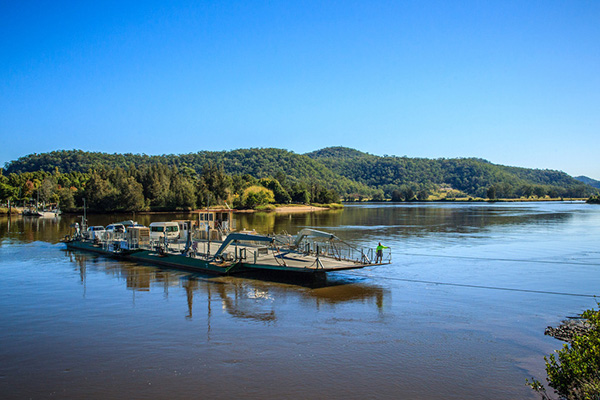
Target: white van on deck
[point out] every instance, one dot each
(159, 229)
(116, 228)
(94, 232)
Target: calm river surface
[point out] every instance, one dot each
(438, 323)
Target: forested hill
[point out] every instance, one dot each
(472, 176)
(258, 163)
(348, 171)
(588, 181)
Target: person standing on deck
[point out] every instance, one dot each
(379, 257)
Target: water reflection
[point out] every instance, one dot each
(357, 221)
(30, 229)
(427, 219)
(251, 297)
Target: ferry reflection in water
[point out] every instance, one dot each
(244, 296)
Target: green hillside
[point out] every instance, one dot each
(472, 176)
(166, 182)
(588, 181)
(258, 163)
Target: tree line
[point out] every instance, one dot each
(158, 187)
(258, 163)
(247, 178)
(406, 179)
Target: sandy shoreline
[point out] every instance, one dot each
(299, 209)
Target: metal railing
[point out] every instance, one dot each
(340, 250)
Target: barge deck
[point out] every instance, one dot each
(239, 252)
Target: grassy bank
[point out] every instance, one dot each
(13, 211)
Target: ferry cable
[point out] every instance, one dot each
(502, 259)
(473, 286)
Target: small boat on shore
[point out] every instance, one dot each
(53, 211)
(207, 248)
(41, 213)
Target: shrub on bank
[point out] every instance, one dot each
(254, 197)
(574, 373)
(594, 199)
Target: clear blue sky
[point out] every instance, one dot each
(514, 82)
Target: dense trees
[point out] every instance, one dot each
(258, 163)
(159, 186)
(280, 195)
(131, 182)
(471, 176)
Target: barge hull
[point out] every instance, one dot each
(175, 261)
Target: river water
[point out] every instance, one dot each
(459, 314)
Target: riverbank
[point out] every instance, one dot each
(299, 209)
(569, 329)
(474, 200)
(293, 208)
(12, 211)
(594, 200)
(278, 209)
(303, 208)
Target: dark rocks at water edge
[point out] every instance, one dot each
(569, 329)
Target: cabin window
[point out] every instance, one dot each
(157, 228)
(172, 229)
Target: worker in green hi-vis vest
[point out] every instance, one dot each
(379, 257)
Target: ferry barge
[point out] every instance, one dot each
(208, 245)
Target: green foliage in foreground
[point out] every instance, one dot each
(574, 372)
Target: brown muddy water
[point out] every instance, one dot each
(459, 314)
